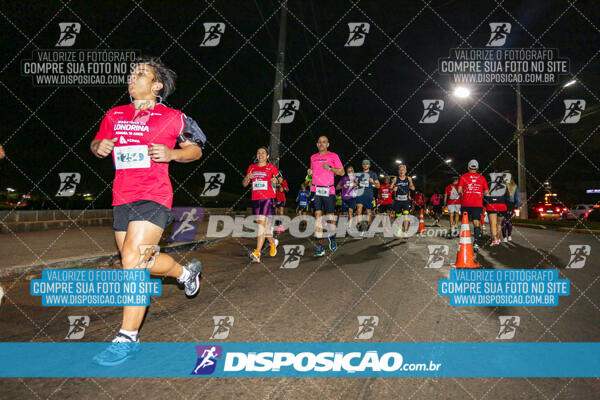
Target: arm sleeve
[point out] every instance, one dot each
(105, 131)
(461, 182)
(485, 185)
(191, 132)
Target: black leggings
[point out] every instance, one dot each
(507, 224)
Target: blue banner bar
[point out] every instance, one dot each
(377, 359)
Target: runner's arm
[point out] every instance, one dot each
(338, 171)
(412, 185)
(102, 148)
(247, 179)
(187, 152)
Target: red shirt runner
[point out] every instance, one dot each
(420, 199)
(385, 194)
(137, 177)
(452, 193)
(279, 195)
(473, 185)
(262, 187)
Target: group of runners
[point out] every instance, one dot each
(144, 136)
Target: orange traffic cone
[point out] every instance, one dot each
(464, 258)
(421, 223)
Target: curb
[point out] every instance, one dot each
(106, 260)
(559, 228)
(579, 230)
(533, 226)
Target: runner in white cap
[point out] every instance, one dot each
(472, 186)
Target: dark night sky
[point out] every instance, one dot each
(358, 88)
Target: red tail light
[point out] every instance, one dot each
(565, 209)
(557, 209)
(541, 209)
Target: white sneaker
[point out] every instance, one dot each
(510, 238)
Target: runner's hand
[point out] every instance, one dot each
(371, 181)
(250, 176)
(105, 147)
(326, 166)
(160, 153)
(274, 181)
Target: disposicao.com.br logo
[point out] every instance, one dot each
(311, 363)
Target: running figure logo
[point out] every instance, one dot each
(498, 183)
(212, 183)
(358, 33)
(223, 325)
(508, 327)
(77, 325)
(287, 110)
(366, 326)
(431, 112)
(68, 33)
(184, 230)
(573, 110)
(212, 33)
(68, 183)
(579, 254)
(500, 31)
(148, 254)
(292, 254)
(207, 359)
(437, 255)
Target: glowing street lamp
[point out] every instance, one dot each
(462, 92)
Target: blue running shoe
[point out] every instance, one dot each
(192, 284)
(120, 350)
(320, 252)
(332, 243)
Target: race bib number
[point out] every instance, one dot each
(402, 197)
(322, 191)
(385, 195)
(302, 204)
(127, 157)
(259, 185)
(364, 183)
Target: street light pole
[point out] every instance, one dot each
(278, 88)
(521, 156)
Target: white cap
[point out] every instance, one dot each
(473, 164)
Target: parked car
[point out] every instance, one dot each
(580, 211)
(548, 210)
(594, 214)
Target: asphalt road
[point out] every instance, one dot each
(320, 300)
